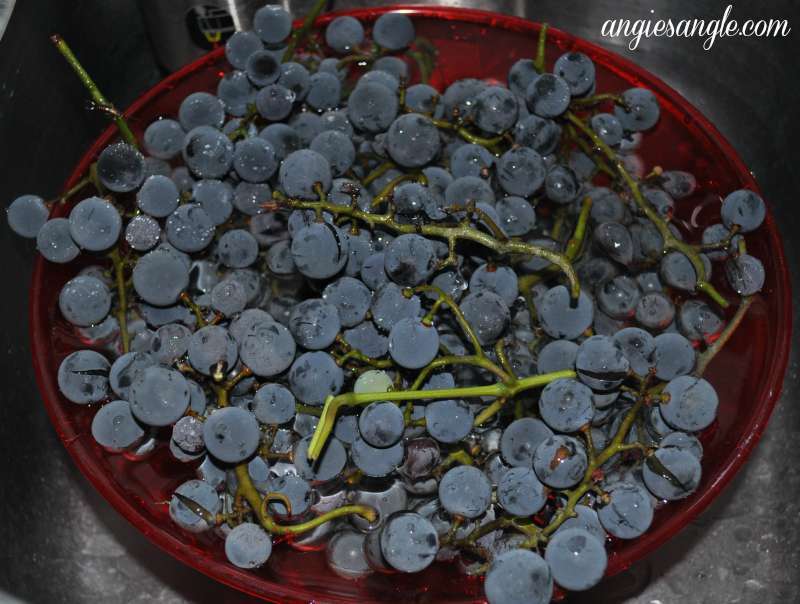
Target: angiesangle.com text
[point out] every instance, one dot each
(708, 29)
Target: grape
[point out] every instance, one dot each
(272, 24)
(608, 128)
(216, 199)
(94, 224)
(717, 233)
(125, 369)
(566, 405)
(284, 139)
(577, 559)
(607, 206)
(201, 494)
(660, 200)
(540, 134)
(743, 208)
(692, 404)
(273, 404)
(314, 324)
(520, 440)
(324, 91)
(518, 576)
(615, 241)
(638, 346)
(557, 356)
(500, 280)
(422, 457)
(314, 376)
(267, 348)
(521, 74)
(189, 228)
(517, 216)
(577, 70)
(239, 327)
(412, 199)
(465, 491)
(187, 435)
(345, 555)
(83, 377)
(210, 346)
(677, 271)
(745, 274)
(344, 34)
(495, 109)
(159, 277)
(468, 189)
(159, 396)
(254, 159)
(560, 461)
(390, 306)
(412, 344)
(383, 78)
(320, 250)
(421, 98)
(27, 215)
(381, 424)
(274, 102)
(698, 321)
(326, 467)
(408, 542)
(373, 272)
(240, 46)
(640, 111)
(248, 546)
(142, 233)
(237, 248)
(231, 434)
(338, 149)
(655, 310)
(337, 120)
(629, 512)
(350, 297)
(561, 185)
(487, 314)
(207, 152)
(684, 442)
(170, 343)
(164, 138)
(619, 297)
(296, 78)
(114, 428)
(520, 171)
(301, 171)
(683, 475)
(201, 109)
(586, 520)
(393, 31)
(595, 271)
(235, 92)
(366, 339)
(559, 319)
(548, 95)
(84, 300)
(520, 492)
(448, 421)
(409, 259)
(459, 98)
(228, 297)
(413, 140)
(251, 280)
(182, 178)
(678, 184)
(373, 461)
(673, 356)
(120, 167)
(372, 107)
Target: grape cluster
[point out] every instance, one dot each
(343, 302)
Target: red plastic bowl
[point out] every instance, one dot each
(748, 374)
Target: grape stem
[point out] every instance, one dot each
(97, 96)
(670, 241)
(223, 390)
(450, 233)
(122, 294)
(260, 508)
(596, 99)
(709, 353)
(299, 35)
(499, 389)
(538, 62)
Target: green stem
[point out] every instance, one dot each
(538, 62)
(94, 91)
(449, 233)
(122, 293)
(456, 310)
(377, 173)
(300, 34)
(596, 100)
(709, 353)
(670, 241)
(351, 399)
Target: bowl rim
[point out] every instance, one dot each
(257, 585)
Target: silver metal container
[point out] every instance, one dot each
(182, 30)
